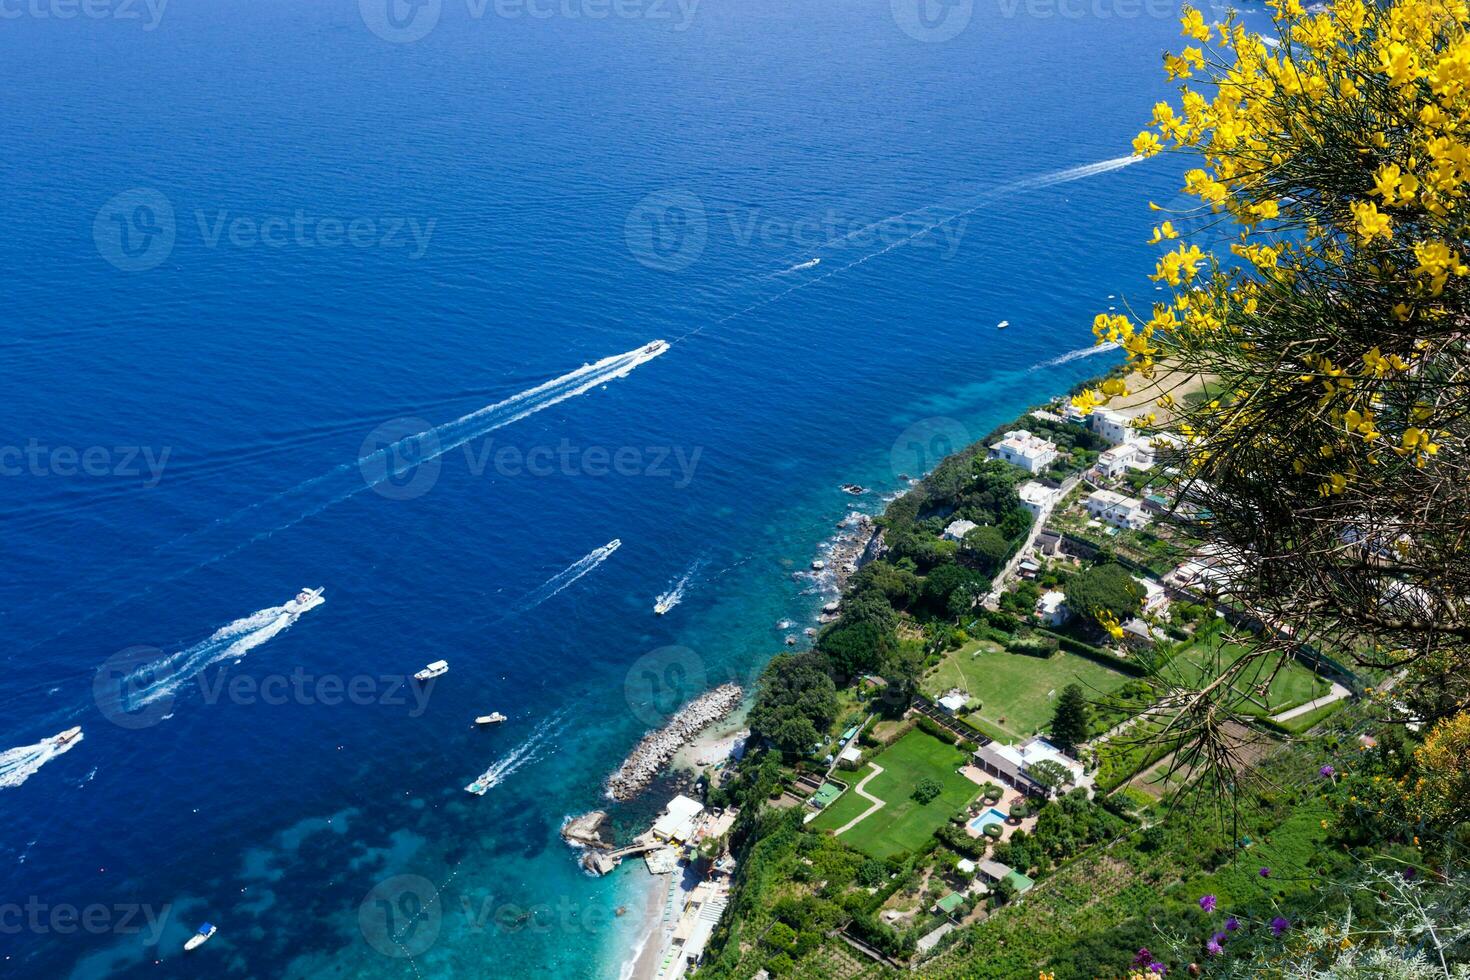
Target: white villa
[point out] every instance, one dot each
(1036, 497)
(1052, 609)
(1020, 448)
(1115, 509)
(1013, 762)
(1155, 598)
(1112, 426)
(1135, 454)
(958, 529)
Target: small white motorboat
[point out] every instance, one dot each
(1002, 324)
(205, 934)
(63, 738)
(493, 718)
(306, 599)
(436, 669)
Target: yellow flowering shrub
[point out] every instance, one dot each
(1321, 283)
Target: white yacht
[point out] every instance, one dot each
(436, 669)
(493, 718)
(205, 934)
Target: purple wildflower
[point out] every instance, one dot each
(1214, 948)
(1207, 902)
(1144, 957)
(1409, 874)
(1279, 925)
(1265, 872)
(1327, 772)
(1232, 923)
(1157, 967)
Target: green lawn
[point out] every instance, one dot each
(903, 824)
(1017, 692)
(1292, 685)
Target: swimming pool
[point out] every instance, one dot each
(990, 816)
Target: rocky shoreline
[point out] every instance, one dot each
(657, 748)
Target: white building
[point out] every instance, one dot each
(1036, 497)
(1052, 609)
(1135, 454)
(1112, 426)
(1155, 600)
(1115, 509)
(958, 529)
(1013, 762)
(678, 821)
(954, 702)
(1020, 448)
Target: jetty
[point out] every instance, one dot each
(656, 748)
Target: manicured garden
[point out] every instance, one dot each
(1017, 692)
(1292, 684)
(903, 824)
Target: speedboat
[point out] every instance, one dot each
(479, 786)
(71, 734)
(1002, 324)
(307, 599)
(436, 669)
(493, 718)
(205, 934)
(663, 604)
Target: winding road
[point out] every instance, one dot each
(861, 789)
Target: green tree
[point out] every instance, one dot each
(927, 790)
(985, 548)
(1105, 590)
(1052, 775)
(1070, 720)
(795, 701)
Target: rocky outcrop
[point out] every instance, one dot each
(657, 748)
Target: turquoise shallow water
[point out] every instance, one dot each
(258, 241)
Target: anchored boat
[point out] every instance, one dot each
(205, 934)
(493, 718)
(436, 669)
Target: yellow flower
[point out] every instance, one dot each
(1163, 232)
(1369, 223)
(1146, 144)
(1194, 25)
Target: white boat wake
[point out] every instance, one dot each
(982, 200)
(21, 763)
(1077, 354)
(528, 751)
(397, 461)
(675, 594)
(570, 574)
(162, 678)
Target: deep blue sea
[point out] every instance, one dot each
(250, 243)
